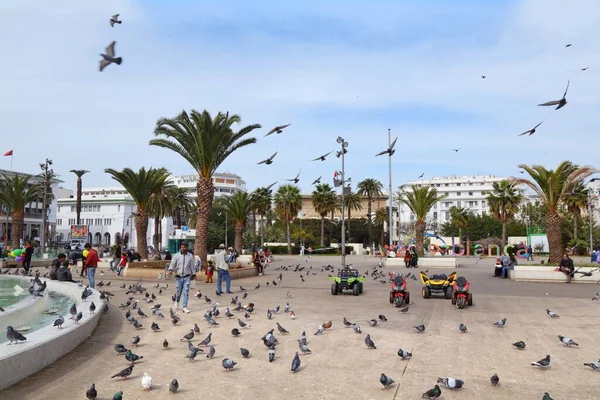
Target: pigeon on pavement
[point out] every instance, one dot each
(501, 323)
(543, 363)
(174, 386)
(463, 328)
(124, 373)
(451, 383)
(495, 380)
(593, 365)
(434, 393)
(228, 364)
(552, 314)
(296, 363)
(420, 328)
(567, 341)
(405, 355)
(91, 393)
(386, 381)
(369, 342)
(520, 345)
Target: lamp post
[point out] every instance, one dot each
(341, 153)
(46, 175)
(219, 214)
(389, 151)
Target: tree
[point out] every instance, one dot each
(575, 203)
(238, 206)
(205, 143)
(352, 202)
(553, 187)
(16, 192)
(420, 200)
(460, 219)
(380, 219)
(261, 198)
(159, 207)
(370, 188)
(79, 173)
(288, 202)
(324, 201)
(141, 186)
(504, 202)
(180, 204)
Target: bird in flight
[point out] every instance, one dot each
(297, 178)
(114, 20)
(422, 175)
(522, 172)
(532, 130)
(277, 129)
(316, 181)
(483, 76)
(269, 160)
(568, 45)
(456, 150)
(390, 150)
(561, 103)
(109, 57)
(322, 158)
(270, 186)
(584, 68)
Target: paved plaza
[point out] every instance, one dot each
(340, 366)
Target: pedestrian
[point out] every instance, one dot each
(91, 263)
(256, 261)
(56, 264)
(529, 253)
(184, 266)
(222, 270)
(116, 258)
(27, 256)
(407, 258)
(302, 248)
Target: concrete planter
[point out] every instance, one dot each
(245, 272)
(425, 262)
(549, 274)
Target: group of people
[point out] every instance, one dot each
(504, 264)
(411, 258)
(61, 269)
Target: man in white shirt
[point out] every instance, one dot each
(222, 270)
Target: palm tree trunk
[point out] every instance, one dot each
(504, 239)
(141, 230)
(575, 227)
(553, 221)
(381, 241)
(206, 192)
(239, 235)
(370, 223)
(17, 228)
(322, 231)
(289, 239)
(253, 224)
(419, 233)
(78, 202)
(155, 238)
(178, 218)
(459, 234)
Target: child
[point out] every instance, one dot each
(122, 263)
(209, 271)
(498, 267)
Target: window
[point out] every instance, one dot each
(470, 183)
(483, 193)
(447, 215)
(58, 221)
(119, 207)
(458, 184)
(72, 208)
(458, 193)
(58, 209)
(434, 215)
(458, 204)
(446, 185)
(435, 206)
(470, 193)
(483, 203)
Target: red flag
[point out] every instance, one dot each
(334, 174)
(8, 153)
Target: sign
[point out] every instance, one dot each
(185, 229)
(79, 232)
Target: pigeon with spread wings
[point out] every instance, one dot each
(322, 158)
(532, 130)
(296, 179)
(115, 20)
(277, 129)
(109, 57)
(390, 150)
(269, 160)
(560, 103)
(316, 181)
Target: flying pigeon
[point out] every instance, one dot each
(520, 345)
(495, 380)
(296, 179)
(456, 150)
(277, 129)
(483, 77)
(532, 130)
(316, 181)
(451, 383)
(585, 68)
(567, 341)
(114, 20)
(551, 314)
(463, 328)
(390, 150)
(434, 393)
(109, 57)
(386, 381)
(404, 355)
(322, 158)
(543, 363)
(568, 45)
(269, 160)
(296, 363)
(559, 103)
(501, 323)
(369, 342)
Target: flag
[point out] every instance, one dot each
(334, 173)
(8, 153)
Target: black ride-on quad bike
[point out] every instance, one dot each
(347, 279)
(440, 284)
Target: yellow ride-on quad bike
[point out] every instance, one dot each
(440, 284)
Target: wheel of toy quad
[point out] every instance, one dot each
(398, 301)
(407, 298)
(356, 290)
(449, 292)
(334, 289)
(460, 302)
(360, 287)
(391, 297)
(453, 300)
(470, 301)
(426, 292)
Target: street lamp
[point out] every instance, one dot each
(219, 214)
(341, 153)
(389, 151)
(46, 176)
(591, 207)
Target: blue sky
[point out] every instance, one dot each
(350, 68)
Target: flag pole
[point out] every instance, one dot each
(11, 160)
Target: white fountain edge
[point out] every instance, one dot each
(46, 345)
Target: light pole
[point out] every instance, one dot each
(591, 207)
(389, 151)
(46, 176)
(219, 214)
(341, 153)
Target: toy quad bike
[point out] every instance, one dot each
(437, 284)
(347, 279)
(461, 295)
(399, 295)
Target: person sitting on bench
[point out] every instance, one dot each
(566, 266)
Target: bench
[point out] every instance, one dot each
(548, 274)
(425, 262)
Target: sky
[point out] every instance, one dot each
(330, 68)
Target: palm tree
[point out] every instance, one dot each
(380, 219)
(261, 198)
(238, 206)
(158, 208)
(460, 218)
(553, 187)
(180, 204)
(420, 200)
(576, 202)
(370, 188)
(288, 202)
(324, 201)
(141, 186)
(352, 202)
(16, 192)
(504, 203)
(79, 173)
(204, 142)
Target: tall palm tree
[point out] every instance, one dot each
(159, 207)
(180, 204)
(370, 188)
(204, 142)
(553, 187)
(141, 186)
(16, 192)
(79, 173)
(576, 202)
(420, 200)
(324, 201)
(460, 218)
(380, 219)
(238, 206)
(503, 203)
(352, 202)
(288, 202)
(262, 205)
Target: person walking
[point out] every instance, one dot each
(302, 248)
(222, 270)
(27, 257)
(529, 253)
(184, 266)
(91, 263)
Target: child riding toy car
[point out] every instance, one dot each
(437, 284)
(347, 279)
(460, 294)
(399, 295)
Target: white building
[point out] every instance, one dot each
(108, 212)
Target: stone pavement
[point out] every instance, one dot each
(341, 367)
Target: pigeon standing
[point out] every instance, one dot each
(92, 308)
(281, 329)
(369, 342)
(386, 381)
(146, 381)
(91, 392)
(303, 348)
(114, 20)
(135, 340)
(59, 322)
(552, 314)
(206, 341)
(501, 323)
(14, 336)
(495, 380)
(463, 328)
(165, 344)
(434, 393)
(272, 354)
(124, 373)
(405, 355)
(245, 352)
(382, 318)
(109, 57)
(596, 296)
(546, 396)
(520, 345)
(543, 363)
(174, 386)
(228, 364)
(451, 383)
(568, 342)
(188, 336)
(593, 365)
(420, 328)
(296, 363)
